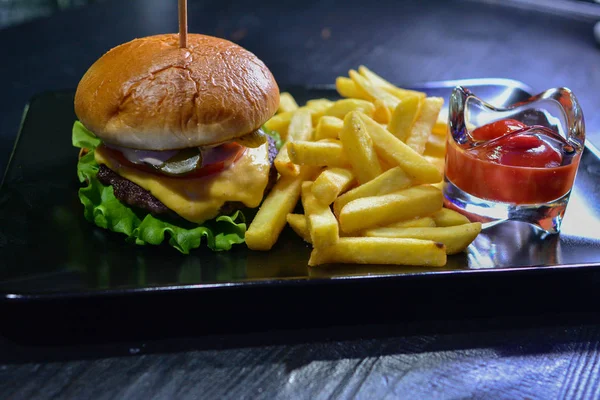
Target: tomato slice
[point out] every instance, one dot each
(497, 129)
(216, 159)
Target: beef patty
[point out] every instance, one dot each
(136, 196)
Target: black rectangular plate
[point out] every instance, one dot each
(51, 256)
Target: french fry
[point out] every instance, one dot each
(385, 166)
(270, 219)
(317, 108)
(298, 223)
(283, 164)
(436, 146)
(423, 222)
(321, 104)
(286, 103)
(330, 183)
(280, 123)
(322, 153)
(455, 238)
(381, 251)
(404, 116)
(439, 185)
(447, 217)
(390, 181)
(439, 162)
(375, 92)
(377, 161)
(374, 78)
(382, 113)
(347, 88)
(369, 212)
(342, 107)
(395, 152)
(359, 148)
(441, 126)
(322, 225)
(387, 86)
(328, 127)
(421, 129)
(300, 129)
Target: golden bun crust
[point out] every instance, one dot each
(150, 94)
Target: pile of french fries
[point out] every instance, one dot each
(368, 171)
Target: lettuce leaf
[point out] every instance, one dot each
(84, 138)
(275, 135)
(105, 210)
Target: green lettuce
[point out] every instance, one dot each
(105, 210)
(275, 135)
(84, 138)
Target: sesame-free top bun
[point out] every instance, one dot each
(150, 94)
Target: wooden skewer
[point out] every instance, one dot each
(183, 24)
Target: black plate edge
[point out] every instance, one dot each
(17, 138)
(25, 297)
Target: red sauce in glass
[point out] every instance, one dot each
(513, 163)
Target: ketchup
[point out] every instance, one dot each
(497, 129)
(519, 150)
(513, 163)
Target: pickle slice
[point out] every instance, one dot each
(253, 139)
(183, 162)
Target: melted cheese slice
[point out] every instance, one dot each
(200, 199)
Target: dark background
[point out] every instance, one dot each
(544, 44)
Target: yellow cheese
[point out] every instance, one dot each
(199, 199)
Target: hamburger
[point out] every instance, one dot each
(172, 140)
